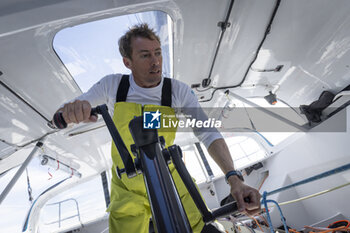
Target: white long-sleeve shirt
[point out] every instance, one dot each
(105, 92)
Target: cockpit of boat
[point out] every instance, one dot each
(274, 73)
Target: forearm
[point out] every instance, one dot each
(219, 151)
(240, 191)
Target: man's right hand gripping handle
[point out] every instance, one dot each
(76, 112)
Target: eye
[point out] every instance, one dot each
(145, 55)
(158, 53)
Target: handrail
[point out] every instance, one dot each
(59, 212)
(26, 222)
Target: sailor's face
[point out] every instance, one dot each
(146, 61)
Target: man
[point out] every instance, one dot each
(128, 96)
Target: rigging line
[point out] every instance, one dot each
(203, 90)
(85, 131)
(291, 108)
(223, 26)
(315, 194)
(283, 219)
(342, 228)
(256, 221)
(8, 143)
(23, 100)
(20, 170)
(313, 178)
(29, 188)
(267, 31)
(311, 196)
(250, 119)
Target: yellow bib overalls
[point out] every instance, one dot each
(129, 208)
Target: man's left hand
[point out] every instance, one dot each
(241, 191)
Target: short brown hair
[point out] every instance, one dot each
(139, 30)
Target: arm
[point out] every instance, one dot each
(221, 155)
(79, 109)
(217, 148)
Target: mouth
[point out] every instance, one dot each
(155, 72)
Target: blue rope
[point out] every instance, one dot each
(264, 202)
(313, 178)
(310, 179)
(266, 140)
(283, 219)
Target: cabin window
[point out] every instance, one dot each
(90, 51)
(245, 151)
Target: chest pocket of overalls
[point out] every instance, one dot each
(124, 112)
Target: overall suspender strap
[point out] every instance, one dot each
(124, 85)
(166, 92)
(123, 89)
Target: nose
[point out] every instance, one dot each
(155, 60)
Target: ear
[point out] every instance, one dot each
(127, 62)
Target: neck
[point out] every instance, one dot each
(147, 83)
